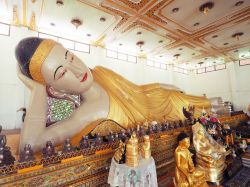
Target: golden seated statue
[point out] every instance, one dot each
(210, 155)
(185, 173)
(145, 150)
(132, 151)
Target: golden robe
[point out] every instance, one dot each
(131, 104)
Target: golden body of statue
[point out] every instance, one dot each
(210, 155)
(132, 151)
(145, 149)
(48, 70)
(186, 175)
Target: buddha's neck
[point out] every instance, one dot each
(93, 93)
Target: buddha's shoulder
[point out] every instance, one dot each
(180, 150)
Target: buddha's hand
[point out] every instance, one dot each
(31, 84)
(190, 180)
(192, 169)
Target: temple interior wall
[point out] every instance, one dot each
(232, 84)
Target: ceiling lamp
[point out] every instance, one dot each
(76, 22)
(59, 2)
(177, 56)
(102, 19)
(205, 8)
(237, 35)
(200, 63)
(140, 43)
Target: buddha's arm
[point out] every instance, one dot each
(190, 164)
(36, 133)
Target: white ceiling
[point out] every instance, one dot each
(194, 36)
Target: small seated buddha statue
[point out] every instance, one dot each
(145, 150)
(142, 131)
(67, 147)
(49, 150)
(132, 153)
(186, 175)
(98, 140)
(84, 144)
(6, 157)
(27, 154)
(111, 137)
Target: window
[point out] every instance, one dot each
(69, 44)
(132, 59)
(122, 56)
(155, 64)
(112, 54)
(66, 43)
(180, 70)
(43, 35)
(82, 47)
(150, 63)
(163, 66)
(4, 29)
(244, 62)
(220, 66)
(201, 70)
(210, 68)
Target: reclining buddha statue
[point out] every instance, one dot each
(68, 100)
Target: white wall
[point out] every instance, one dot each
(232, 84)
(213, 84)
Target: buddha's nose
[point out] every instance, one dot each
(75, 69)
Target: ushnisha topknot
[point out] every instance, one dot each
(182, 136)
(31, 53)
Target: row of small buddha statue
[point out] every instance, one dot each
(89, 141)
(129, 152)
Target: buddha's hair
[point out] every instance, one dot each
(182, 136)
(24, 51)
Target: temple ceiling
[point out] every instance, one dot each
(187, 32)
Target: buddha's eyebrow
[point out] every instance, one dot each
(56, 70)
(66, 54)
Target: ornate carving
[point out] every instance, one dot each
(139, 24)
(136, 6)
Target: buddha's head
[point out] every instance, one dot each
(183, 140)
(49, 63)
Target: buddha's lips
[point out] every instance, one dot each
(84, 78)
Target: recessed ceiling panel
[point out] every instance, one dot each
(187, 14)
(232, 36)
(94, 21)
(138, 40)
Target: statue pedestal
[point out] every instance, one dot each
(144, 175)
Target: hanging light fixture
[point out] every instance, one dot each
(140, 43)
(206, 7)
(200, 63)
(237, 35)
(59, 2)
(76, 22)
(177, 56)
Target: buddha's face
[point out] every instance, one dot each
(65, 72)
(185, 142)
